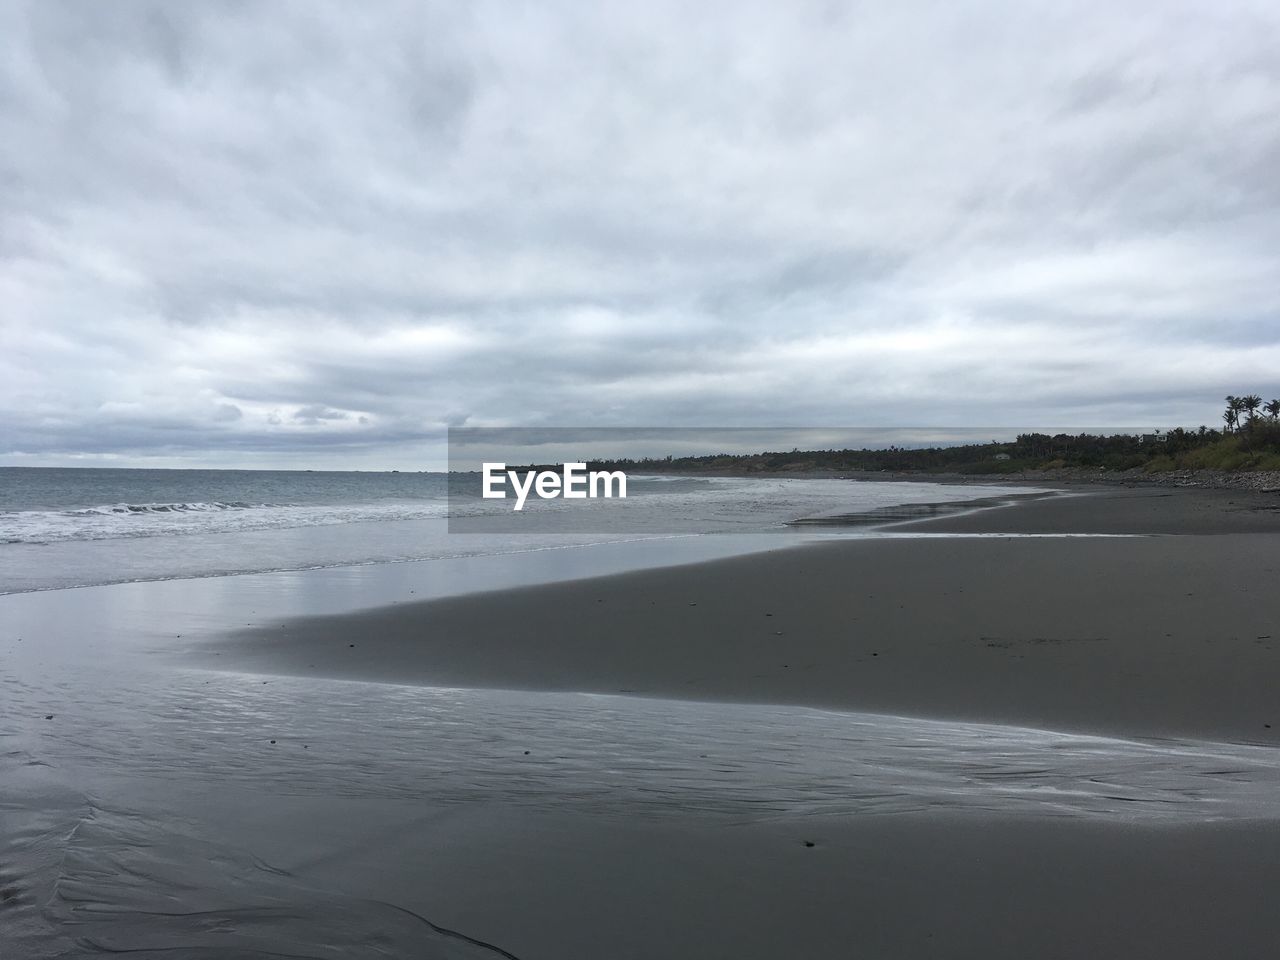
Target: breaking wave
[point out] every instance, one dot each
(129, 520)
(118, 508)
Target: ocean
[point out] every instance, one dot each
(84, 527)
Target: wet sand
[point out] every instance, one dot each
(1130, 636)
(1172, 634)
(338, 877)
(310, 812)
(907, 887)
(1089, 508)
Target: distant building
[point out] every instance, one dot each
(1156, 437)
(1003, 456)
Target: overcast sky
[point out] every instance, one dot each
(315, 234)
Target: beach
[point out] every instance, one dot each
(1045, 729)
(1141, 632)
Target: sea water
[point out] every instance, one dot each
(78, 527)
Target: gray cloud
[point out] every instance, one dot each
(317, 413)
(318, 232)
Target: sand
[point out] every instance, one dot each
(1135, 636)
(902, 887)
(1175, 633)
(1135, 509)
(304, 802)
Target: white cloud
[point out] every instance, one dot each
(219, 222)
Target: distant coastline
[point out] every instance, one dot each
(1245, 453)
(1261, 481)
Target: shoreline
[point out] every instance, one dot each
(1259, 481)
(252, 540)
(887, 517)
(1147, 636)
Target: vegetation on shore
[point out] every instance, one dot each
(1249, 440)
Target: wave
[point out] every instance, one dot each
(118, 508)
(162, 519)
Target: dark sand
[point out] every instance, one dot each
(890, 887)
(1087, 508)
(1146, 637)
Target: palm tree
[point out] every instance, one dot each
(1231, 417)
(1273, 409)
(1250, 403)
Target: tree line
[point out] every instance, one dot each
(1249, 440)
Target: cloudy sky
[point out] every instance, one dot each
(316, 234)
